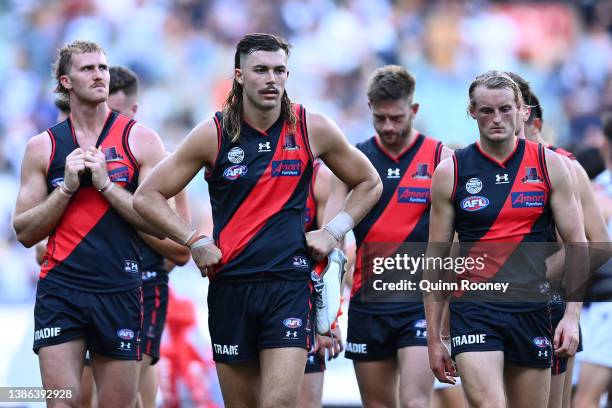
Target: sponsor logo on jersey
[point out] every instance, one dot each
(393, 173)
(422, 172)
(125, 334)
(532, 176)
(300, 262)
(502, 178)
(541, 342)
(264, 147)
(292, 322)
(284, 168)
(235, 172)
(235, 155)
(130, 266)
(473, 185)
(528, 199)
(120, 174)
(474, 203)
(111, 155)
(413, 195)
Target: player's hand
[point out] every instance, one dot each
(567, 336)
(95, 161)
(75, 166)
(206, 257)
(440, 361)
(320, 243)
(332, 344)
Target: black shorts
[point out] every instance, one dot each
(524, 337)
(246, 317)
(109, 322)
(372, 337)
(559, 364)
(314, 363)
(155, 304)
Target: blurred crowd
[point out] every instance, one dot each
(183, 52)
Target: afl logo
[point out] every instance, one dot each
(420, 324)
(235, 172)
(235, 155)
(541, 342)
(125, 334)
(473, 185)
(292, 322)
(474, 203)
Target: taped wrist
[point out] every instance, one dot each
(340, 225)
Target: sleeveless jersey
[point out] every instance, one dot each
(507, 203)
(92, 248)
(310, 216)
(402, 212)
(562, 152)
(258, 190)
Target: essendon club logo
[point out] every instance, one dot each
(110, 154)
(413, 195)
(282, 168)
(532, 176)
(528, 199)
(290, 142)
(422, 172)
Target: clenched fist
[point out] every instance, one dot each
(320, 242)
(96, 163)
(74, 167)
(206, 256)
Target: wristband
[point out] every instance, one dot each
(107, 186)
(201, 241)
(64, 190)
(340, 225)
(190, 238)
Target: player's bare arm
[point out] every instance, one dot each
(199, 149)
(571, 229)
(351, 167)
(440, 230)
(148, 151)
(555, 262)
(175, 253)
(36, 212)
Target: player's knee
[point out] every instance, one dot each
(487, 400)
(415, 401)
(117, 398)
(379, 401)
(278, 399)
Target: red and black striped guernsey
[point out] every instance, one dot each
(505, 202)
(310, 216)
(92, 248)
(258, 189)
(402, 212)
